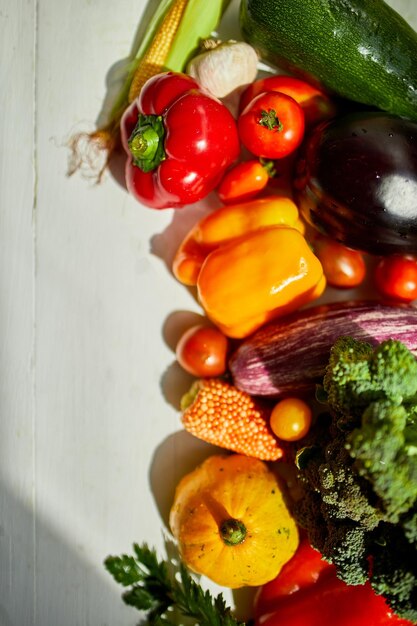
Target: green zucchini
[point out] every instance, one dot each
(361, 50)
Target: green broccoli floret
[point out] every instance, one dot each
(359, 470)
(409, 524)
(335, 507)
(393, 370)
(346, 496)
(348, 377)
(347, 545)
(381, 454)
(358, 374)
(339, 540)
(394, 572)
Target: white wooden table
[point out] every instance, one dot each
(90, 445)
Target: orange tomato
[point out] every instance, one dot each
(290, 419)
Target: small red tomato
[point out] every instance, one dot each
(396, 277)
(202, 351)
(343, 267)
(271, 125)
(245, 180)
(317, 105)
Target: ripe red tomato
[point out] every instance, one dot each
(396, 277)
(271, 125)
(316, 105)
(342, 266)
(202, 351)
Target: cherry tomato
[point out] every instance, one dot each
(202, 351)
(271, 125)
(316, 105)
(342, 266)
(245, 180)
(396, 277)
(290, 419)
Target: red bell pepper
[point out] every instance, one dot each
(307, 592)
(179, 141)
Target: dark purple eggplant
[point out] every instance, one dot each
(289, 356)
(357, 182)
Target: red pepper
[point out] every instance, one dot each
(307, 592)
(245, 180)
(179, 142)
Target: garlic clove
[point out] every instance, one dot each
(224, 67)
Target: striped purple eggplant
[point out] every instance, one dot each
(289, 356)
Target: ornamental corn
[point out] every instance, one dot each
(219, 413)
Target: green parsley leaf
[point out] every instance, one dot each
(165, 597)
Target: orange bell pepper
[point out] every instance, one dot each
(262, 275)
(227, 224)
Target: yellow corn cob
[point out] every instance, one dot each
(219, 413)
(153, 62)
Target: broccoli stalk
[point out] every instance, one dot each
(358, 470)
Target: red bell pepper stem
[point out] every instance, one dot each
(146, 143)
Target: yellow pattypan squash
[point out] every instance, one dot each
(231, 522)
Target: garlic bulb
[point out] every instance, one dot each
(223, 67)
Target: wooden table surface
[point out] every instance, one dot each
(91, 445)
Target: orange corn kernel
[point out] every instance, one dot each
(219, 413)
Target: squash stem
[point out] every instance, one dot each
(232, 531)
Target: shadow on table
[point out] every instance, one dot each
(44, 581)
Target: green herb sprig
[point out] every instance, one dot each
(164, 596)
